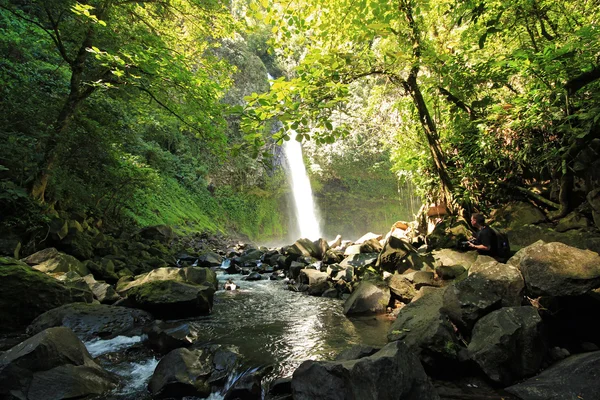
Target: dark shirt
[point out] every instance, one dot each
(487, 237)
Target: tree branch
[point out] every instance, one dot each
(458, 102)
(576, 83)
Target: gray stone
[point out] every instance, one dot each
(391, 373)
(573, 378)
(555, 269)
(368, 298)
(508, 344)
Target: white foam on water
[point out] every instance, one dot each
(99, 346)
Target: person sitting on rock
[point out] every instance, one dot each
(229, 285)
(484, 240)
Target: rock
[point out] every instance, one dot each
(574, 220)
(359, 260)
(78, 287)
(330, 293)
(52, 261)
(27, 293)
(353, 249)
(495, 286)
(332, 257)
(523, 236)
(167, 336)
(305, 247)
(452, 258)
(518, 214)
(427, 331)
(209, 260)
(420, 278)
(295, 268)
(41, 256)
(191, 275)
(247, 386)
(395, 256)
(102, 290)
(280, 388)
(391, 373)
(181, 373)
(356, 352)
(91, 321)
(104, 271)
(555, 269)
(371, 246)
(402, 288)
(573, 378)
(312, 277)
(254, 276)
(450, 272)
(172, 299)
(448, 233)
(368, 298)
(160, 233)
(52, 365)
(508, 344)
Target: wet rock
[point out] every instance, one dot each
(254, 276)
(210, 259)
(90, 321)
(368, 298)
(53, 364)
(248, 386)
(555, 269)
(508, 344)
(166, 336)
(312, 277)
(330, 293)
(391, 373)
(573, 378)
(427, 330)
(27, 293)
(181, 373)
(280, 389)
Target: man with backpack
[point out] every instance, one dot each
(485, 241)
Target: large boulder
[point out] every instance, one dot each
(52, 261)
(27, 293)
(452, 258)
(508, 344)
(359, 260)
(210, 259)
(403, 289)
(190, 275)
(80, 290)
(90, 321)
(370, 297)
(307, 248)
(171, 299)
(52, 365)
(427, 331)
(492, 286)
(397, 256)
(160, 233)
(312, 277)
(555, 269)
(391, 373)
(523, 236)
(573, 220)
(448, 233)
(167, 336)
(190, 372)
(574, 378)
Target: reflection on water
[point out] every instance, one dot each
(268, 324)
(263, 322)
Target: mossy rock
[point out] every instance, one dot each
(171, 299)
(26, 293)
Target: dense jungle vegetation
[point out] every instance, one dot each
(160, 111)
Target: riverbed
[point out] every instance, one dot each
(265, 323)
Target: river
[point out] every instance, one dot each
(265, 323)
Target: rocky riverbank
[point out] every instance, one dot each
(464, 325)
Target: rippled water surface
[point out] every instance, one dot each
(268, 325)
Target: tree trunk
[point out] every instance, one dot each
(77, 94)
(431, 134)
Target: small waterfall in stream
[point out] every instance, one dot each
(306, 215)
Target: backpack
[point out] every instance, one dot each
(502, 245)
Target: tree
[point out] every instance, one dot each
(157, 47)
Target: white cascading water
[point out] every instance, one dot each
(303, 198)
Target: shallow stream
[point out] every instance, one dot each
(265, 323)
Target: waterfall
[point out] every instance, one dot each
(303, 198)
